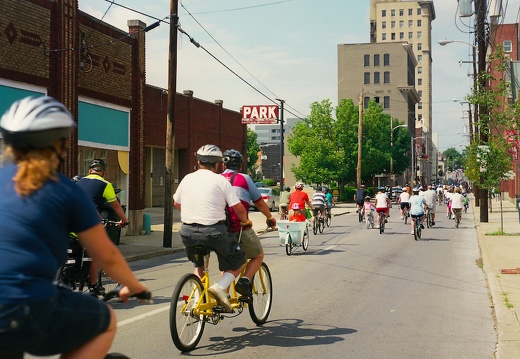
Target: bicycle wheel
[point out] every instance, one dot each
(406, 215)
(288, 244)
(321, 225)
(416, 229)
(105, 281)
(428, 220)
(185, 328)
(328, 219)
(381, 223)
(360, 216)
(367, 220)
(315, 226)
(305, 240)
(260, 307)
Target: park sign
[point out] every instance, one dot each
(259, 114)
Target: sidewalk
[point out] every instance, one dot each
(500, 261)
(501, 266)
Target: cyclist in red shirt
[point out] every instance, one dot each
(301, 197)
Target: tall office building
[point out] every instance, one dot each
(410, 21)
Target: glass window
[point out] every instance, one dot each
(386, 78)
(419, 106)
(386, 100)
(419, 69)
(376, 59)
(410, 12)
(386, 59)
(366, 78)
(392, 36)
(383, 13)
(366, 99)
(419, 82)
(392, 24)
(383, 24)
(419, 23)
(508, 46)
(401, 12)
(366, 60)
(376, 77)
(419, 58)
(419, 93)
(392, 12)
(410, 35)
(401, 35)
(383, 36)
(419, 34)
(419, 11)
(401, 24)
(410, 23)
(419, 46)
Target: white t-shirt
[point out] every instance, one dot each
(381, 200)
(404, 197)
(203, 195)
(457, 200)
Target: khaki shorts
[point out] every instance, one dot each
(250, 243)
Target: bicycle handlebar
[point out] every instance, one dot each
(114, 293)
(109, 223)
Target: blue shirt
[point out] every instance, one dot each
(416, 205)
(34, 235)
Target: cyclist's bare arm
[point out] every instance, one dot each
(262, 207)
(99, 246)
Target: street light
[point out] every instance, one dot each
(391, 149)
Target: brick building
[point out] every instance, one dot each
(98, 72)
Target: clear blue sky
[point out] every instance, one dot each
(288, 50)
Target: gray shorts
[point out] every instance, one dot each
(217, 238)
(250, 243)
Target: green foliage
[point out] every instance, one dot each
(252, 151)
(268, 182)
(454, 159)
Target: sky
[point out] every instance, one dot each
(287, 49)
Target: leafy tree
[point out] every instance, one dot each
(252, 152)
(454, 159)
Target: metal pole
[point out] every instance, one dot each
(391, 151)
(170, 128)
(360, 139)
(483, 127)
(281, 145)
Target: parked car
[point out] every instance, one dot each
(396, 192)
(271, 196)
(259, 184)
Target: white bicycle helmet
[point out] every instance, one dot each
(209, 154)
(298, 185)
(36, 122)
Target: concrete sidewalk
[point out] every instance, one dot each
(500, 261)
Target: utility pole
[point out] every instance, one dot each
(360, 140)
(170, 128)
(281, 144)
(482, 111)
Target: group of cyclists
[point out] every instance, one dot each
(320, 203)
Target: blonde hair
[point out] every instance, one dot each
(34, 169)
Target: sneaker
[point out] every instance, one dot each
(422, 226)
(411, 232)
(433, 224)
(220, 295)
(243, 286)
(401, 218)
(386, 220)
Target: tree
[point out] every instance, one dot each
(252, 152)
(454, 159)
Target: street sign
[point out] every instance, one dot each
(260, 114)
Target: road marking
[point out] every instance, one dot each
(142, 316)
(327, 249)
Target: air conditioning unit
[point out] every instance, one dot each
(495, 8)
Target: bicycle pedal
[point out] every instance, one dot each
(220, 309)
(244, 299)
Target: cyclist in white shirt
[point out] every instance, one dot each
(431, 200)
(318, 202)
(404, 199)
(382, 204)
(457, 202)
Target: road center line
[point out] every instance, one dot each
(142, 316)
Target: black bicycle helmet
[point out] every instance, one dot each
(36, 122)
(367, 199)
(288, 189)
(98, 162)
(209, 154)
(233, 159)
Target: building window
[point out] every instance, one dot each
(419, 23)
(366, 60)
(392, 36)
(383, 24)
(376, 77)
(386, 102)
(419, 117)
(419, 34)
(419, 93)
(383, 13)
(419, 106)
(401, 24)
(366, 99)
(410, 35)
(419, 11)
(401, 12)
(410, 12)
(386, 59)
(392, 24)
(508, 46)
(376, 59)
(419, 46)
(419, 69)
(376, 99)
(419, 58)
(410, 23)
(386, 77)
(383, 36)
(401, 36)
(366, 78)
(392, 12)
(419, 82)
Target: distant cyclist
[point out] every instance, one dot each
(431, 200)
(359, 197)
(457, 203)
(319, 202)
(404, 202)
(284, 201)
(382, 204)
(330, 199)
(301, 197)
